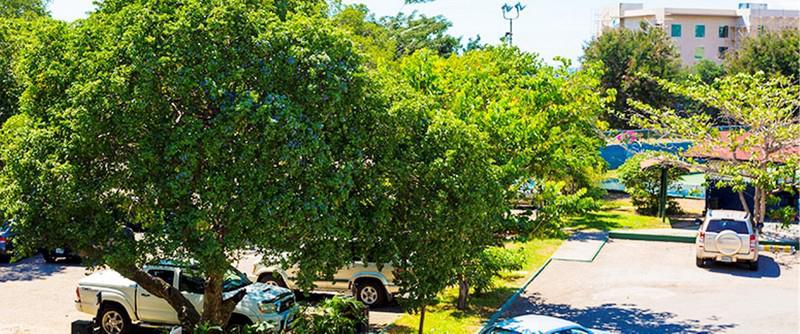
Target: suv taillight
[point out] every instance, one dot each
(752, 243)
(2, 240)
(702, 239)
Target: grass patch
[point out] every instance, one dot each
(445, 318)
(616, 214)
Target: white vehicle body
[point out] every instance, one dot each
(727, 236)
(539, 324)
(371, 285)
(105, 289)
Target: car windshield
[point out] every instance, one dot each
(235, 280)
(719, 225)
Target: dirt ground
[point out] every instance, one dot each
(655, 287)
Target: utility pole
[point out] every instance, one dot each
(511, 13)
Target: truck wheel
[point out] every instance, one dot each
(700, 262)
(48, 258)
(370, 293)
(114, 320)
(271, 280)
(237, 324)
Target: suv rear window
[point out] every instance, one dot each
(737, 226)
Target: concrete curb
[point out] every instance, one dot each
(497, 314)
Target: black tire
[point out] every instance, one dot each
(237, 324)
(113, 319)
(700, 262)
(269, 279)
(48, 257)
(753, 266)
(370, 293)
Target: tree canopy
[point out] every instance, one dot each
(626, 52)
(211, 127)
(469, 130)
(770, 52)
(23, 8)
(761, 151)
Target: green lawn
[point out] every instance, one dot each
(616, 214)
(445, 318)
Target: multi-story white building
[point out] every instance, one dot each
(702, 33)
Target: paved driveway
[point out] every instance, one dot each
(654, 287)
(37, 297)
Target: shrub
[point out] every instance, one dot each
(490, 263)
(338, 315)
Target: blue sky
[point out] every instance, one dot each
(550, 28)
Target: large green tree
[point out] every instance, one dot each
(214, 126)
(761, 152)
(770, 52)
(624, 53)
(470, 129)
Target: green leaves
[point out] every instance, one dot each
(769, 52)
(213, 127)
(466, 129)
(624, 53)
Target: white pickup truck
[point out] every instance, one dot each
(118, 303)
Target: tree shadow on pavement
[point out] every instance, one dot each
(30, 269)
(623, 318)
(767, 268)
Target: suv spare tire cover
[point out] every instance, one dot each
(728, 242)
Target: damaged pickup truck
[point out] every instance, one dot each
(118, 303)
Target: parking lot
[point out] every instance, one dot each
(655, 287)
(37, 297)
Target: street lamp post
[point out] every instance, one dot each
(511, 13)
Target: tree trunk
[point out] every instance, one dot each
(760, 206)
(187, 314)
(744, 203)
(217, 311)
(422, 319)
(757, 206)
(463, 293)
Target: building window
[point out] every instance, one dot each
(700, 31)
(722, 50)
(699, 52)
(723, 31)
(676, 30)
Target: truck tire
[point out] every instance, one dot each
(270, 279)
(48, 258)
(114, 320)
(237, 324)
(370, 293)
(700, 262)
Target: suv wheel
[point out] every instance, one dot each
(753, 266)
(114, 320)
(700, 262)
(370, 293)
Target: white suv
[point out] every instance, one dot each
(370, 284)
(727, 236)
